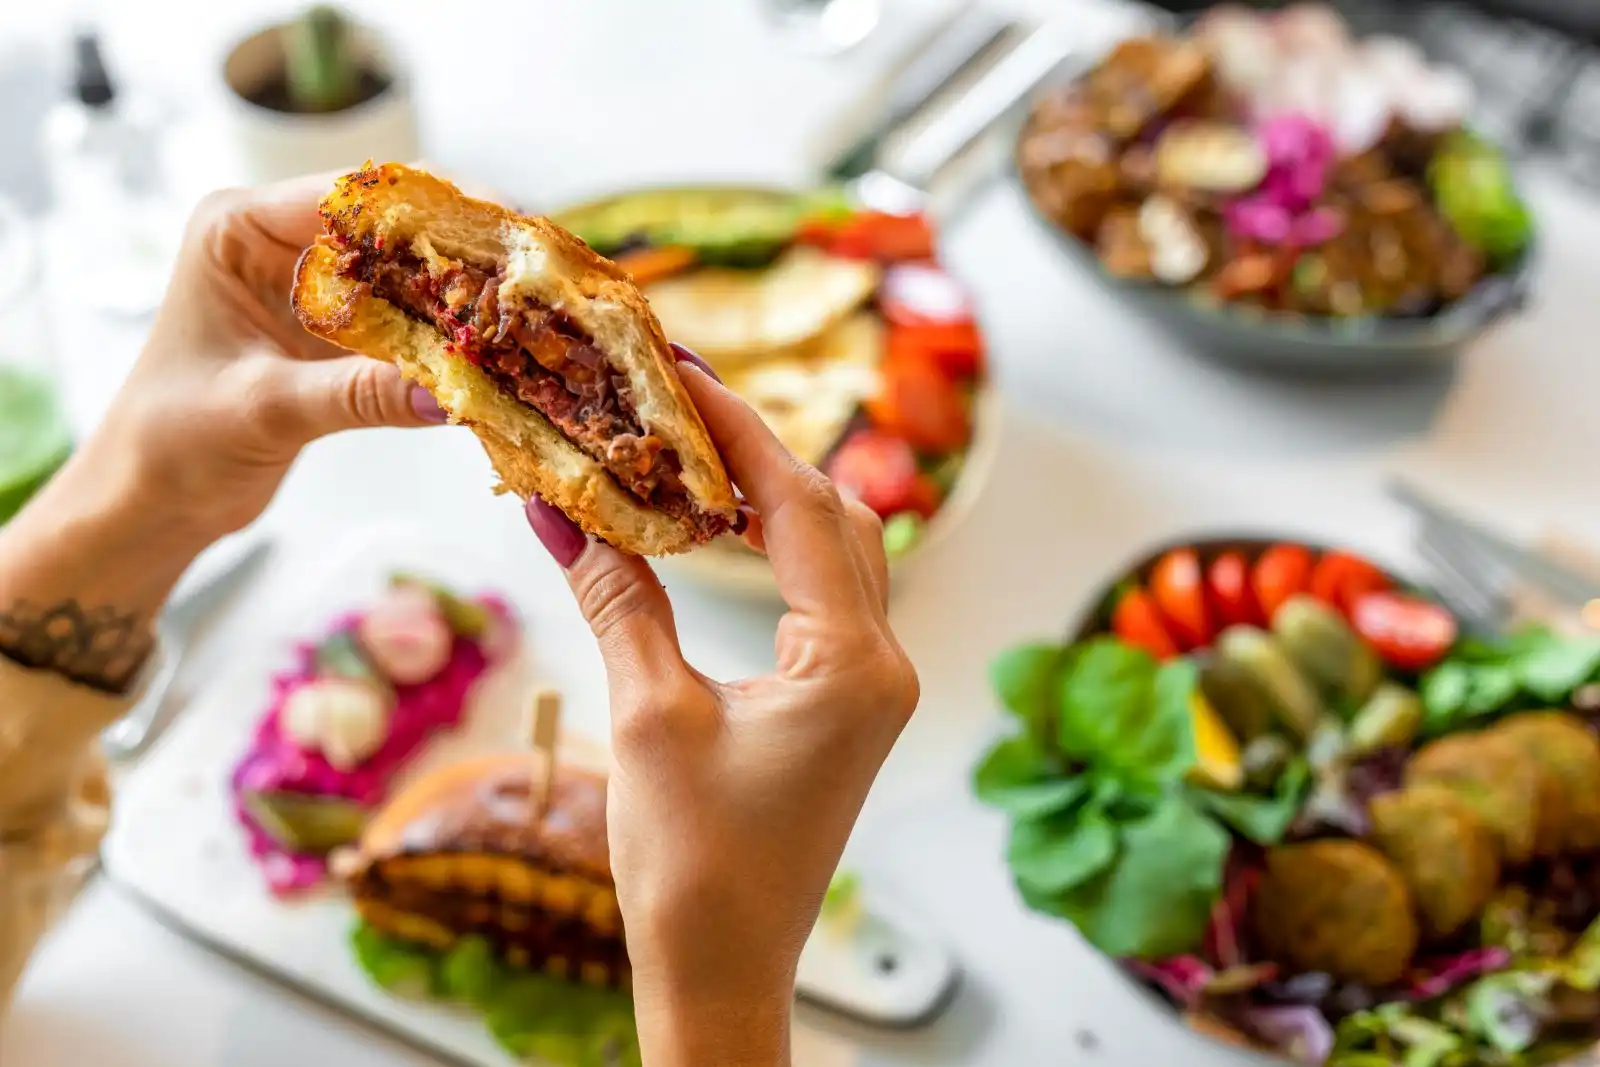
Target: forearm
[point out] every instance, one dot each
(691, 1032)
(84, 570)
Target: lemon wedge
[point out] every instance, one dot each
(1217, 765)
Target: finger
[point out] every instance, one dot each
(622, 600)
(352, 392)
(803, 521)
(868, 528)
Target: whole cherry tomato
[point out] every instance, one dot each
(1137, 620)
(1408, 633)
(1280, 573)
(1228, 588)
(1178, 587)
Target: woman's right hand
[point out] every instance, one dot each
(730, 802)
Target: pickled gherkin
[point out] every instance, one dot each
(1390, 718)
(1295, 702)
(1231, 690)
(1328, 651)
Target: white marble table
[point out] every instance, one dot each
(1113, 439)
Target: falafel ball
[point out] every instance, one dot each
(1441, 847)
(1568, 753)
(1336, 906)
(1489, 772)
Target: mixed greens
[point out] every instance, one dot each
(566, 1024)
(1281, 790)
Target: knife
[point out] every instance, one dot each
(175, 632)
(1569, 586)
(953, 50)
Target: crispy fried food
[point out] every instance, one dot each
(1489, 772)
(1339, 907)
(1568, 754)
(1444, 851)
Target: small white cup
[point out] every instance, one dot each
(273, 145)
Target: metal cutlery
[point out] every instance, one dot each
(1479, 574)
(1490, 563)
(175, 632)
(952, 51)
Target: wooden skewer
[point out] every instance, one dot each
(546, 724)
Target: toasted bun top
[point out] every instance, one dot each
(484, 805)
(549, 266)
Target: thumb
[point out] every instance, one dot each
(351, 392)
(624, 603)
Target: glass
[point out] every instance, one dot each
(824, 27)
(35, 438)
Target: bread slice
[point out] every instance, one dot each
(391, 205)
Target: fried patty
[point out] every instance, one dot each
(1491, 773)
(1568, 755)
(1444, 851)
(1339, 907)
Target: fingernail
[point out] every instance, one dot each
(426, 407)
(686, 356)
(558, 534)
(741, 520)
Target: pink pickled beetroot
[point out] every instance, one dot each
(273, 762)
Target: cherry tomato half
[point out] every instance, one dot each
(1178, 587)
(1341, 578)
(917, 402)
(880, 470)
(876, 235)
(955, 348)
(1137, 620)
(1407, 633)
(1280, 573)
(1228, 587)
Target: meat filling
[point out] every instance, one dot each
(542, 359)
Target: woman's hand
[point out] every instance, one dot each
(731, 802)
(226, 392)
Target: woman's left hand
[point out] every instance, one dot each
(226, 392)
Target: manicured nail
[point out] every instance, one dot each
(741, 519)
(686, 356)
(559, 534)
(426, 407)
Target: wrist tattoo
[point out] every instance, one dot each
(100, 647)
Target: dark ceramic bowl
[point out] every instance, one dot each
(1292, 343)
(1093, 620)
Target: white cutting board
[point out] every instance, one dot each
(176, 847)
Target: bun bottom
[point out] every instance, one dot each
(528, 453)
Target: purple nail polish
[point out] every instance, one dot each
(426, 407)
(686, 356)
(741, 522)
(559, 534)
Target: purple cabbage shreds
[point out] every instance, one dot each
(1300, 1033)
(1380, 772)
(1314, 989)
(1182, 978)
(1225, 944)
(1441, 976)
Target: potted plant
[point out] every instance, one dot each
(317, 93)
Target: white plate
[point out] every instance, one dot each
(176, 846)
